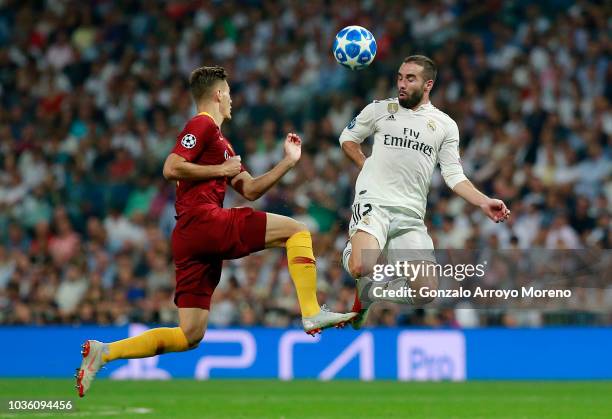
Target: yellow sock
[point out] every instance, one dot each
(303, 272)
(150, 343)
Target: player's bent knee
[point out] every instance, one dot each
(194, 334)
(356, 271)
(356, 268)
(281, 228)
(297, 227)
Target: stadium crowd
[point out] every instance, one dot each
(93, 94)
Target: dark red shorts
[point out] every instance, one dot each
(202, 239)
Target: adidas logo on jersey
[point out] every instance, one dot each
(390, 118)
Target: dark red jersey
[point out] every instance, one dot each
(201, 142)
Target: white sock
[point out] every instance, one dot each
(346, 254)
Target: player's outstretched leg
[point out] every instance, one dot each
(364, 296)
(358, 258)
(361, 306)
(153, 342)
(284, 231)
(150, 343)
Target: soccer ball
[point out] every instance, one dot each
(354, 47)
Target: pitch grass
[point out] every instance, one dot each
(313, 399)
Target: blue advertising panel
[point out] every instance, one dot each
(379, 353)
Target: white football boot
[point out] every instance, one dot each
(92, 362)
(326, 319)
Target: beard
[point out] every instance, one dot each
(411, 99)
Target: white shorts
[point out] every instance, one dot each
(401, 234)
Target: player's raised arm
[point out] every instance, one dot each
(253, 188)
(178, 168)
(360, 128)
(452, 172)
(495, 209)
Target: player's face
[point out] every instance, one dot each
(411, 85)
(225, 100)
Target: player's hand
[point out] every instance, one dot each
(496, 210)
(293, 147)
(231, 167)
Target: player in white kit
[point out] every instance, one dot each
(411, 136)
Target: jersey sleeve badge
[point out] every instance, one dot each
(188, 141)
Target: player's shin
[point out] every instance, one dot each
(150, 343)
(303, 272)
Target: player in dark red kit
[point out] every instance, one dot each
(203, 163)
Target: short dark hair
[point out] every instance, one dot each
(430, 71)
(203, 79)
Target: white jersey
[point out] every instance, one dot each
(407, 146)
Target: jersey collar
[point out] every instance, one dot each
(424, 106)
(208, 115)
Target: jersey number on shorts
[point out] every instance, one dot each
(360, 211)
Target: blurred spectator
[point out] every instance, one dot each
(71, 290)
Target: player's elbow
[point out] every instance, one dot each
(453, 178)
(169, 170)
(250, 192)
(347, 145)
(168, 173)
(173, 167)
(250, 196)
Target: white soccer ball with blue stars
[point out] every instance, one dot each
(354, 47)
